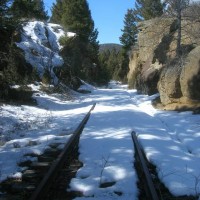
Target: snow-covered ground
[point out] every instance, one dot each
(171, 140)
(29, 129)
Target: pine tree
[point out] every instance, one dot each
(75, 16)
(4, 13)
(129, 36)
(57, 10)
(7, 27)
(39, 10)
(3, 8)
(128, 40)
(148, 9)
(29, 9)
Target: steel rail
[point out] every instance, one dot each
(46, 182)
(152, 194)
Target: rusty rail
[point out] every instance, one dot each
(50, 176)
(149, 186)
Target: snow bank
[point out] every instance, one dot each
(29, 129)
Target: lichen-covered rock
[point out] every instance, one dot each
(190, 75)
(146, 66)
(133, 69)
(148, 76)
(155, 37)
(169, 84)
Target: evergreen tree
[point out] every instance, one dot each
(39, 10)
(13, 67)
(3, 8)
(5, 19)
(148, 9)
(29, 9)
(75, 16)
(57, 10)
(129, 36)
(7, 27)
(128, 40)
(114, 64)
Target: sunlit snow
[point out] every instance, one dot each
(171, 140)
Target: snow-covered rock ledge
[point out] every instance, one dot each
(40, 43)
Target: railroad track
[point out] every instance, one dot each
(48, 178)
(72, 144)
(150, 192)
(149, 185)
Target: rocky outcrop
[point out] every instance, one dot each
(133, 66)
(179, 83)
(190, 75)
(153, 36)
(169, 84)
(155, 68)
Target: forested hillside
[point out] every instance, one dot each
(109, 46)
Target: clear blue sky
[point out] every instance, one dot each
(108, 16)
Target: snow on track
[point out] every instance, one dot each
(106, 149)
(171, 141)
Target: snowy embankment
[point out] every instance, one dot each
(30, 129)
(40, 43)
(171, 141)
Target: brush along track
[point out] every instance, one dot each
(49, 177)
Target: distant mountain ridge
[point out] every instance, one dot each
(109, 46)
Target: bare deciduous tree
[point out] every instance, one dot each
(175, 8)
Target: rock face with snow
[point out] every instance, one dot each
(40, 43)
(156, 69)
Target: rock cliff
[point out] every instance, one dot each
(154, 66)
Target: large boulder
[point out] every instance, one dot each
(179, 83)
(169, 84)
(190, 75)
(148, 76)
